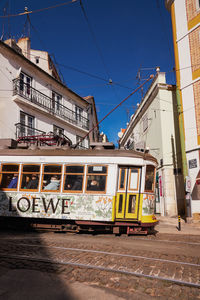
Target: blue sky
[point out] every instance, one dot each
(122, 37)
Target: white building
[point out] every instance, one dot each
(154, 128)
(185, 15)
(33, 99)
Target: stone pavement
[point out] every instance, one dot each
(35, 285)
(25, 284)
(169, 225)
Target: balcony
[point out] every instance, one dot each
(24, 130)
(49, 105)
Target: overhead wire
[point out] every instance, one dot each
(112, 110)
(98, 48)
(104, 79)
(83, 72)
(92, 32)
(38, 10)
(94, 37)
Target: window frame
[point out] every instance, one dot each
(80, 174)
(6, 172)
(50, 173)
(80, 141)
(56, 101)
(27, 128)
(56, 129)
(153, 184)
(24, 84)
(99, 174)
(145, 124)
(125, 179)
(37, 60)
(129, 177)
(22, 173)
(78, 113)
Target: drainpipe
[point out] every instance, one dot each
(182, 136)
(182, 140)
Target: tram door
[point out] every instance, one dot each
(128, 193)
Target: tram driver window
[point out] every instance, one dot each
(96, 179)
(9, 176)
(30, 177)
(149, 179)
(51, 178)
(74, 178)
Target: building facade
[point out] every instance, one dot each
(35, 101)
(154, 128)
(185, 15)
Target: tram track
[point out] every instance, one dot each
(101, 268)
(168, 241)
(134, 238)
(114, 254)
(177, 272)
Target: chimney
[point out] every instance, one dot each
(25, 44)
(12, 44)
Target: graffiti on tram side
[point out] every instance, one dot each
(148, 204)
(82, 207)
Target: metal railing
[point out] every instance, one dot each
(53, 107)
(24, 130)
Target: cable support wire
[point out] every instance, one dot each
(112, 110)
(101, 78)
(98, 48)
(38, 10)
(84, 72)
(94, 38)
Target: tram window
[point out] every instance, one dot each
(131, 204)
(122, 178)
(96, 178)
(149, 178)
(74, 178)
(51, 177)
(120, 203)
(133, 179)
(9, 176)
(30, 177)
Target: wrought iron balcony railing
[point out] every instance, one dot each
(24, 130)
(53, 107)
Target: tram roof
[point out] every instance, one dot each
(78, 152)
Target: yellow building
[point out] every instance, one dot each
(185, 16)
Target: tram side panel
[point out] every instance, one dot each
(65, 206)
(147, 203)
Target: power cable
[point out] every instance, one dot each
(39, 10)
(103, 79)
(98, 48)
(94, 38)
(85, 73)
(112, 110)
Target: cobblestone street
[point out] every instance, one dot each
(86, 266)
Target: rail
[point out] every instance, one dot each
(53, 107)
(25, 130)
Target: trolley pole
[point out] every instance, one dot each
(179, 223)
(150, 77)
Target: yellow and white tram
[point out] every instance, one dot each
(71, 189)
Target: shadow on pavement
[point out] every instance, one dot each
(25, 279)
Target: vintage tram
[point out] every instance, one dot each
(61, 188)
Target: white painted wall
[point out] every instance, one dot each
(186, 88)
(10, 67)
(157, 137)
